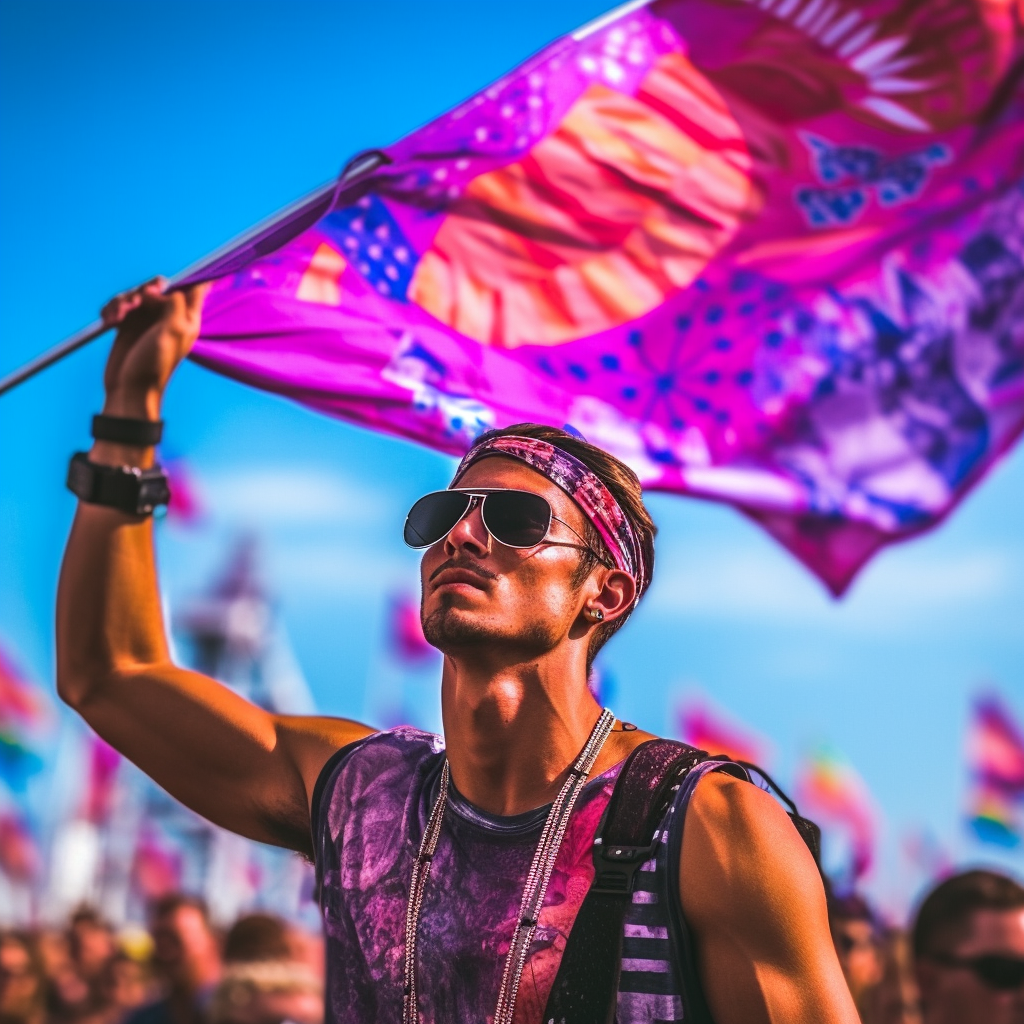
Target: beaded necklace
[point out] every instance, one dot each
(536, 881)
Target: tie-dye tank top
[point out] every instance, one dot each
(370, 806)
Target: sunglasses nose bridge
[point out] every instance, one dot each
(465, 522)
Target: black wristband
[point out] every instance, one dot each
(125, 430)
(128, 488)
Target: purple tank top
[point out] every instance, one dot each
(370, 806)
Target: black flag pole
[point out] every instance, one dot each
(261, 239)
(81, 338)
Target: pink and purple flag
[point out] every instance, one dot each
(995, 754)
(709, 730)
(769, 252)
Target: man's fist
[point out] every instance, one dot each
(155, 332)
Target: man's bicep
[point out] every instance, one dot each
(751, 893)
(229, 760)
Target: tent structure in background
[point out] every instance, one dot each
(995, 757)
(769, 253)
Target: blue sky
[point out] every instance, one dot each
(135, 137)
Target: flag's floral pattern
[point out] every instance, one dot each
(769, 252)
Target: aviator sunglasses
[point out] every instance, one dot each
(517, 519)
(1002, 973)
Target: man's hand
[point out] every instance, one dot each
(155, 333)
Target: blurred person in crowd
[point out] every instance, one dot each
(855, 935)
(894, 1000)
(968, 943)
(267, 979)
(125, 986)
(186, 958)
(91, 943)
(68, 995)
(22, 980)
(519, 598)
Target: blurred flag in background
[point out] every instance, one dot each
(830, 791)
(995, 756)
(710, 730)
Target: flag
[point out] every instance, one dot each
(19, 853)
(156, 868)
(831, 792)
(101, 780)
(185, 506)
(995, 754)
(407, 639)
(21, 703)
(768, 253)
(708, 730)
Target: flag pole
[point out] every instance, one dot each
(356, 167)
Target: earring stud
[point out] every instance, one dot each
(596, 614)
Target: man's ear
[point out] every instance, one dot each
(617, 594)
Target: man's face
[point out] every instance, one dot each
(478, 592)
(858, 953)
(19, 986)
(184, 950)
(956, 994)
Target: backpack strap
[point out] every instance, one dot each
(586, 986)
(587, 983)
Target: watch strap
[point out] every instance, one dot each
(127, 430)
(127, 488)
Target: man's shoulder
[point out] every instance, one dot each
(740, 843)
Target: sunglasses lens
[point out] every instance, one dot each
(1000, 972)
(518, 519)
(433, 516)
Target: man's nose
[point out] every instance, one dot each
(469, 533)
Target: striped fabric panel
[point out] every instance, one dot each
(649, 986)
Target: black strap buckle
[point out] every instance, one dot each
(615, 867)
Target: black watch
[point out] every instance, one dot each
(128, 488)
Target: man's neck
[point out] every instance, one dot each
(512, 731)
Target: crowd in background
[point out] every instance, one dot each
(960, 962)
(181, 970)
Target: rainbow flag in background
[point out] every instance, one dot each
(995, 754)
(768, 252)
(831, 792)
(23, 711)
(21, 703)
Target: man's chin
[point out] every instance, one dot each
(449, 629)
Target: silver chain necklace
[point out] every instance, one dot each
(536, 881)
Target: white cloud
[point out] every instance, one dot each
(758, 583)
(276, 496)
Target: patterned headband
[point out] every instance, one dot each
(583, 486)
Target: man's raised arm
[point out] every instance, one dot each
(239, 766)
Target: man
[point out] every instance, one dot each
(968, 942)
(22, 981)
(186, 957)
(855, 936)
(448, 883)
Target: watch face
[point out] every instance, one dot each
(153, 492)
